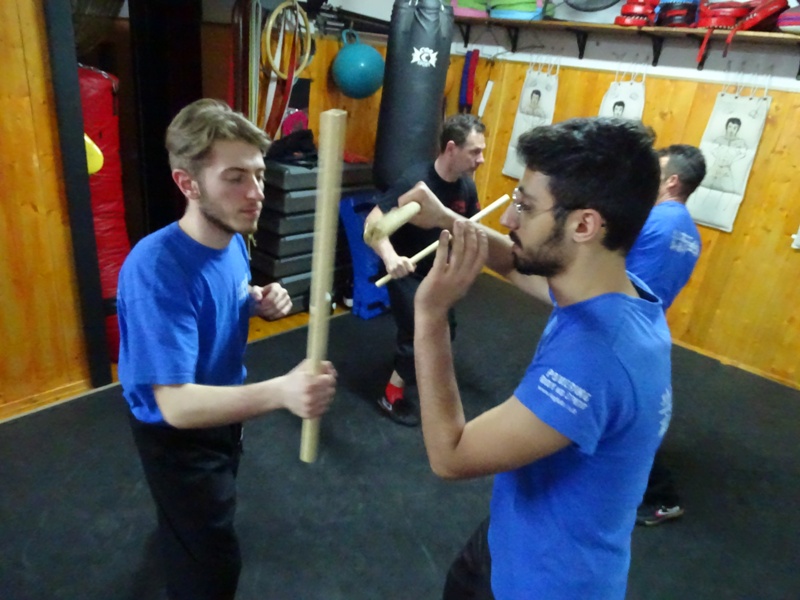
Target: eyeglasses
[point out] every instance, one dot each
(516, 201)
(525, 209)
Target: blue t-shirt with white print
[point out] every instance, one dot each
(183, 312)
(666, 251)
(560, 527)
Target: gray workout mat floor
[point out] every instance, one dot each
(369, 520)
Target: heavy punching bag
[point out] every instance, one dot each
(417, 58)
(99, 104)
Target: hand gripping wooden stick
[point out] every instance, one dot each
(390, 222)
(326, 219)
(432, 247)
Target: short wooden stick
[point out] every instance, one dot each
(432, 247)
(390, 222)
(326, 219)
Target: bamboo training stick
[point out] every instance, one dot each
(326, 219)
(432, 247)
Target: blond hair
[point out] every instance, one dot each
(197, 126)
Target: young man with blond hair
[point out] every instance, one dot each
(184, 305)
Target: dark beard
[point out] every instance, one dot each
(539, 266)
(546, 263)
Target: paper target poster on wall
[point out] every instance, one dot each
(537, 102)
(729, 146)
(624, 98)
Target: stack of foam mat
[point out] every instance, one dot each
(285, 237)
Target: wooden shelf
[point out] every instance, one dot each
(657, 35)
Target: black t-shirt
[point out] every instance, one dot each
(461, 196)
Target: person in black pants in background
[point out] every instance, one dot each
(461, 145)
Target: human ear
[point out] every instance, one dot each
(587, 225)
(186, 184)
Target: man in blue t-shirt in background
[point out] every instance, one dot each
(571, 449)
(184, 304)
(664, 256)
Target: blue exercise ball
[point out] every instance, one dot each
(357, 68)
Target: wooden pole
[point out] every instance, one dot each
(432, 247)
(326, 220)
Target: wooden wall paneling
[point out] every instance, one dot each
(40, 322)
(786, 156)
(499, 119)
(667, 103)
(580, 93)
(743, 295)
(50, 224)
(769, 200)
(453, 83)
(766, 248)
(362, 114)
(18, 219)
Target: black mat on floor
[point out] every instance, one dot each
(368, 520)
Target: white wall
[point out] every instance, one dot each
(377, 9)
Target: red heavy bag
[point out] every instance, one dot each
(101, 124)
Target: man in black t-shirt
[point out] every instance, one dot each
(461, 146)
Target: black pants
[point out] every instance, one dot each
(661, 489)
(192, 478)
(470, 575)
(401, 297)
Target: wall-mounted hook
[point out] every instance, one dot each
(513, 36)
(465, 29)
(581, 37)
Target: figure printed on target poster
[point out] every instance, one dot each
(531, 105)
(730, 141)
(727, 153)
(624, 99)
(729, 145)
(537, 104)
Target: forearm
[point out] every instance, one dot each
(384, 249)
(382, 246)
(193, 406)
(443, 419)
(500, 258)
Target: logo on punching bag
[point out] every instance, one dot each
(424, 57)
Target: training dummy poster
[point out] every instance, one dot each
(537, 102)
(729, 146)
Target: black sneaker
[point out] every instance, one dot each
(402, 411)
(655, 515)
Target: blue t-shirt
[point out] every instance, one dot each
(560, 527)
(184, 312)
(666, 251)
